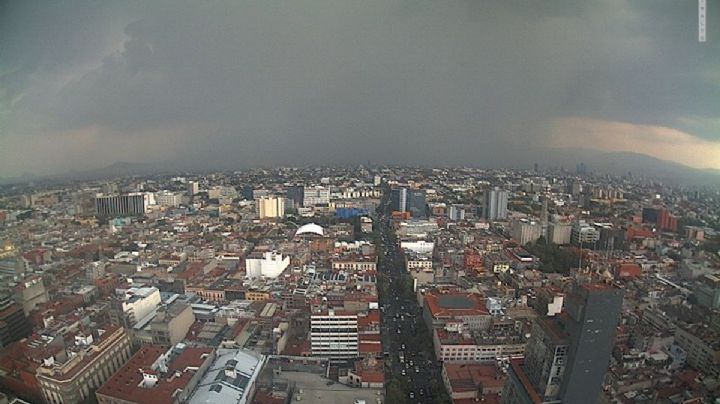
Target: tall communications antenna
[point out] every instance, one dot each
(702, 13)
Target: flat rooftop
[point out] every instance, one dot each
(316, 390)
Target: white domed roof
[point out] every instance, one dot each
(310, 228)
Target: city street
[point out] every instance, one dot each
(413, 372)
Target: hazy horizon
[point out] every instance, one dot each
(85, 84)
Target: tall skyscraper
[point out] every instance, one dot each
(568, 354)
(398, 199)
(296, 194)
(193, 188)
(416, 203)
(495, 207)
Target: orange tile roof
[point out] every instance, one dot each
(124, 384)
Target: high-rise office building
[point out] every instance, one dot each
(409, 200)
(334, 334)
(495, 207)
(270, 207)
(133, 204)
(416, 203)
(568, 354)
(296, 194)
(193, 188)
(398, 199)
(317, 195)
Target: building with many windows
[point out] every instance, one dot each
(270, 207)
(334, 334)
(568, 354)
(91, 361)
(133, 204)
(495, 204)
(317, 195)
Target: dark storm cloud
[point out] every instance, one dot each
(261, 82)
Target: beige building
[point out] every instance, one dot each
(169, 326)
(90, 362)
(270, 207)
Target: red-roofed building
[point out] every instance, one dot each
(157, 375)
(17, 371)
(627, 270)
(368, 373)
(472, 380)
(470, 308)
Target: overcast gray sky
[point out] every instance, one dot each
(84, 84)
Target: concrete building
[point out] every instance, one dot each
(133, 305)
(468, 308)
(472, 381)
(495, 204)
(398, 199)
(317, 195)
(171, 323)
(584, 234)
(231, 378)
(296, 195)
(559, 233)
(269, 265)
(134, 204)
(453, 345)
(334, 334)
(416, 202)
(30, 293)
(270, 207)
(525, 231)
(192, 188)
(702, 345)
(156, 374)
(419, 247)
(708, 291)
(568, 354)
(167, 198)
(94, 358)
(13, 323)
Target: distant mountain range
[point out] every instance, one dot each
(622, 163)
(615, 163)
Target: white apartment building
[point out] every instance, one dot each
(316, 196)
(334, 335)
(139, 302)
(270, 265)
(167, 198)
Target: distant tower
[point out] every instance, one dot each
(495, 207)
(544, 217)
(192, 188)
